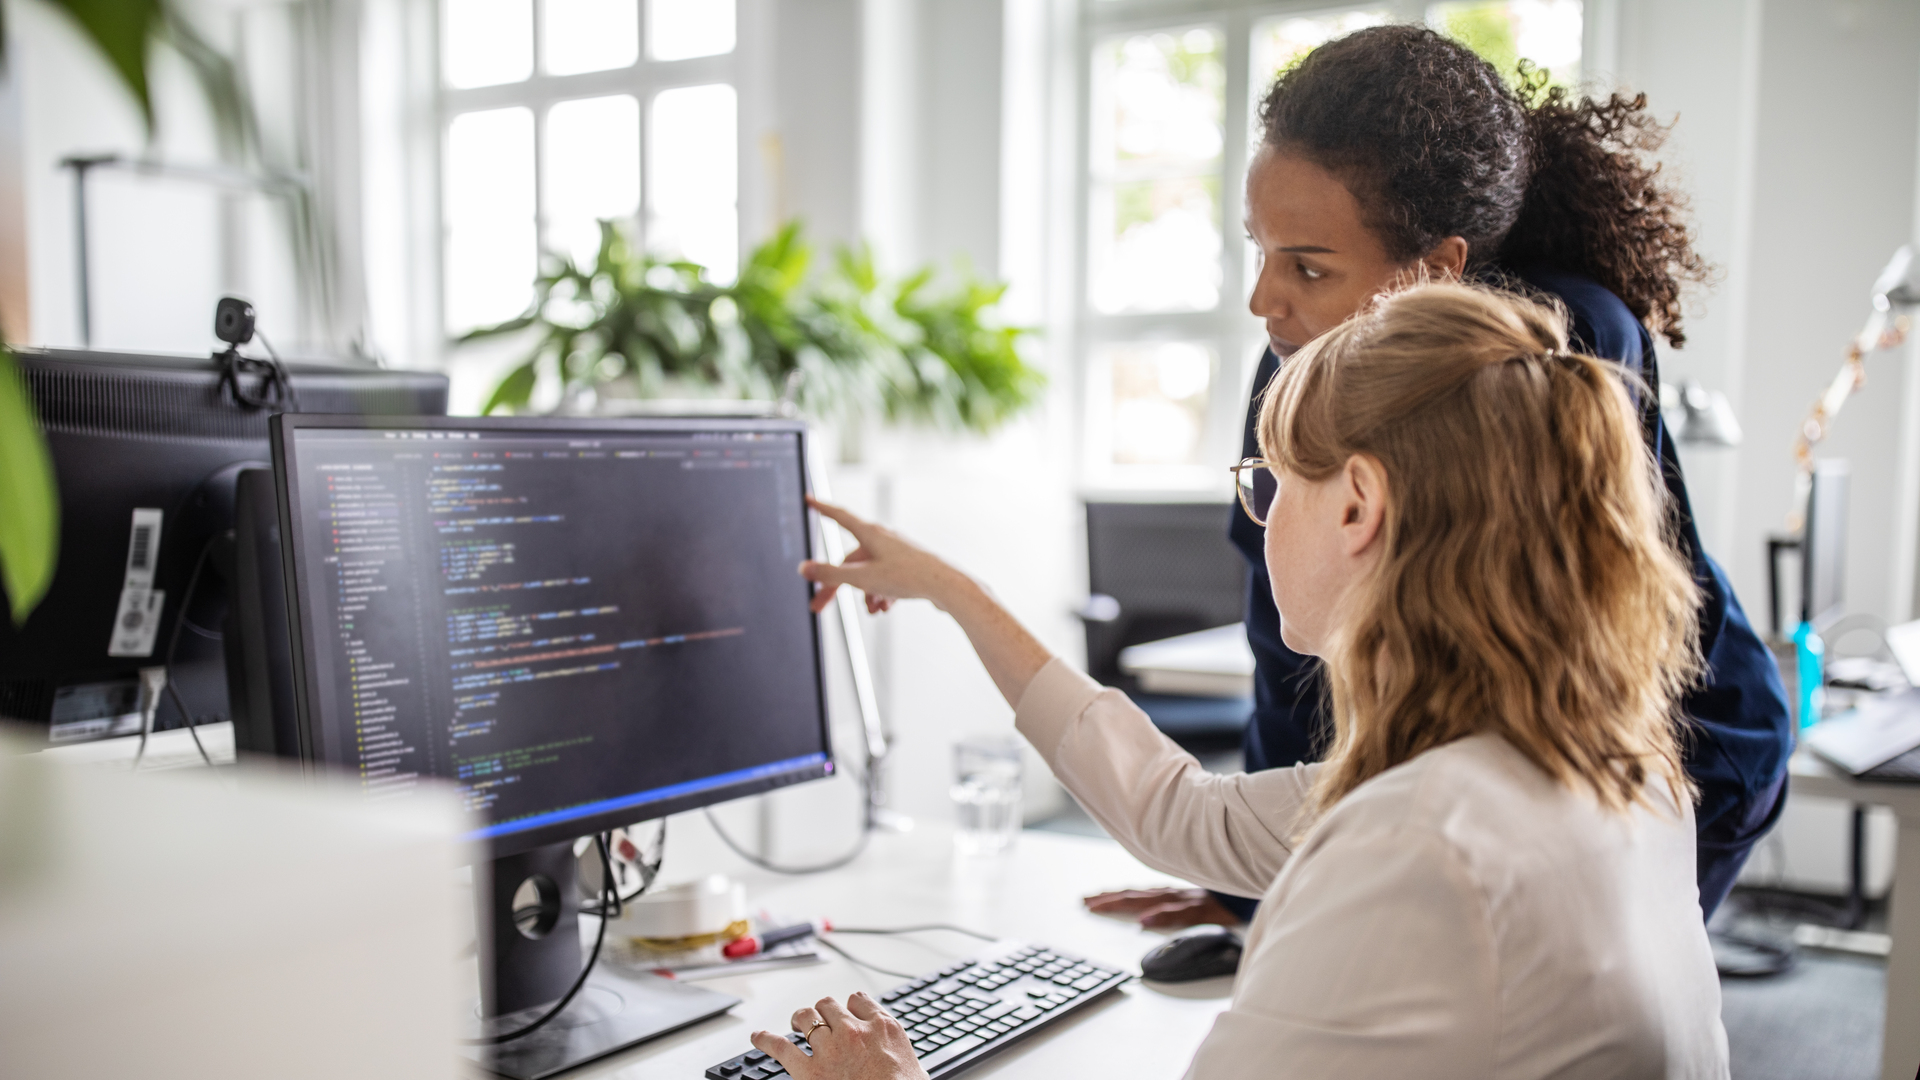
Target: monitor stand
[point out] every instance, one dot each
(528, 964)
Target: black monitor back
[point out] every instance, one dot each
(128, 431)
(1823, 547)
(1172, 570)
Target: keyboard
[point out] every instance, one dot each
(967, 1012)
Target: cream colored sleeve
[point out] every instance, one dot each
(1231, 833)
(1379, 962)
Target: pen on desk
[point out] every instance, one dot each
(761, 942)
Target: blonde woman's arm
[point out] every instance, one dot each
(1224, 832)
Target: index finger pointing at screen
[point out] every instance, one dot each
(853, 523)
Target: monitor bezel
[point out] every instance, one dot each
(283, 431)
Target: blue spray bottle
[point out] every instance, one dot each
(1810, 656)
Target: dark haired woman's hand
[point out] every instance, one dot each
(857, 1041)
(1164, 909)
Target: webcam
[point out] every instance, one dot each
(233, 321)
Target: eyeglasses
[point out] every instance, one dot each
(1255, 481)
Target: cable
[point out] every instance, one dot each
(851, 959)
(173, 645)
(857, 962)
(915, 930)
(293, 395)
(859, 846)
(649, 870)
(609, 895)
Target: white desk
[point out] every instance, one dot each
(1900, 1045)
(1031, 893)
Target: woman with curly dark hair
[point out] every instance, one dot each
(1392, 153)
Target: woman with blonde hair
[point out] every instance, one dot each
(1492, 873)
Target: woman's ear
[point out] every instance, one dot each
(1447, 259)
(1363, 514)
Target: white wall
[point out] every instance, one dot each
(1797, 135)
(941, 172)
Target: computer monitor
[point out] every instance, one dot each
(1823, 547)
(146, 451)
(579, 623)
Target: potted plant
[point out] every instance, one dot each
(842, 343)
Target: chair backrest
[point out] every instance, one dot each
(1170, 567)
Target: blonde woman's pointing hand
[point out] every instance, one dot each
(885, 566)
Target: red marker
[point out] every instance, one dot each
(759, 943)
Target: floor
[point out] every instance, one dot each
(1820, 1020)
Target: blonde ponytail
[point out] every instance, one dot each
(1528, 585)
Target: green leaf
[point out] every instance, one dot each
(121, 29)
(515, 390)
(233, 119)
(29, 498)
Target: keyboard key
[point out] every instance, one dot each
(923, 1046)
(950, 1051)
(756, 1057)
(1088, 982)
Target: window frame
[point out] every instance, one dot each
(645, 80)
(1232, 332)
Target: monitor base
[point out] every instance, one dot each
(612, 1012)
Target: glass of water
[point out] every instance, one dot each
(986, 792)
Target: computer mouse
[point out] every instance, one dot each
(1201, 955)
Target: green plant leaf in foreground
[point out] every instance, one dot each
(29, 500)
(121, 29)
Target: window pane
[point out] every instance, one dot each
(1158, 100)
(693, 178)
(1278, 44)
(1504, 32)
(1154, 231)
(491, 254)
(588, 35)
(1156, 401)
(593, 171)
(1155, 246)
(679, 29)
(487, 41)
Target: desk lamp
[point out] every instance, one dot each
(1885, 328)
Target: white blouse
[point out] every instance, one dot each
(1461, 915)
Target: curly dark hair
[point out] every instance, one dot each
(1435, 144)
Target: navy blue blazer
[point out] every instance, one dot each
(1741, 736)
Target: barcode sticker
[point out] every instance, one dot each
(136, 622)
(143, 548)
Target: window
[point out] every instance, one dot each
(557, 114)
(1171, 106)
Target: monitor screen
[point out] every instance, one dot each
(578, 623)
